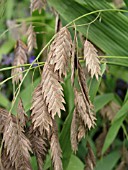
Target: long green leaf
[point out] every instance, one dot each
(4, 102)
(101, 100)
(6, 47)
(112, 133)
(126, 2)
(108, 162)
(75, 163)
(122, 112)
(110, 34)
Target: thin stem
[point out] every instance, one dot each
(24, 65)
(124, 130)
(89, 23)
(93, 12)
(1, 83)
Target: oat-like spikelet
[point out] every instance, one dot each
(55, 149)
(92, 61)
(60, 51)
(37, 5)
(81, 130)
(39, 145)
(3, 118)
(22, 116)
(52, 90)
(31, 41)
(19, 59)
(6, 162)
(83, 84)
(17, 145)
(84, 110)
(83, 118)
(74, 131)
(90, 159)
(40, 116)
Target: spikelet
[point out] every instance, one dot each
(55, 149)
(60, 51)
(84, 110)
(37, 5)
(52, 90)
(39, 145)
(6, 162)
(17, 145)
(3, 118)
(90, 159)
(83, 84)
(40, 116)
(81, 130)
(19, 59)
(31, 41)
(74, 131)
(83, 118)
(92, 61)
(22, 116)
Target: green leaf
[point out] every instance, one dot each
(122, 112)
(26, 95)
(126, 2)
(112, 133)
(109, 33)
(75, 164)
(6, 47)
(34, 163)
(116, 124)
(101, 100)
(108, 162)
(118, 61)
(4, 102)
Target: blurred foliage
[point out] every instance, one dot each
(109, 33)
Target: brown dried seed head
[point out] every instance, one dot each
(83, 84)
(92, 61)
(60, 51)
(90, 159)
(19, 59)
(39, 145)
(81, 130)
(3, 118)
(31, 41)
(40, 116)
(52, 90)
(6, 162)
(22, 116)
(74, 126)
(37, 5)
(55, 149)
(84, 110)
(17, 145)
